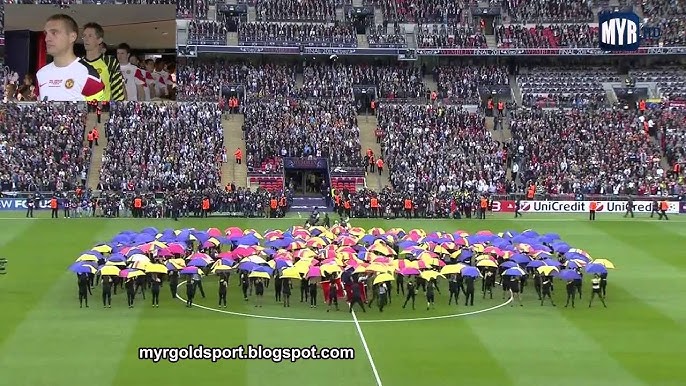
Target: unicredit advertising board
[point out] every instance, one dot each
(584, 206)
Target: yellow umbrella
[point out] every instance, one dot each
(360, 269)
(140, 264)
(87, 257)
(376, 267)
(102, 248)
(482, 257)
(330, 268)
(429, 275)
(487, 263)
(114, 263)
(177, 263)
(263, 275)
(290, 273)
(133, 274)
(383, 277)
(605, 263)
(155, 268)
(547, 270)
(109, 270)
(453, 268)
(220, 267)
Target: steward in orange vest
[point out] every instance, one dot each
(483, 206)
(205, 206)
(53, 207)
(137, 211)
(593, 206)
(374, 205)
(407, 205)
(664, 207)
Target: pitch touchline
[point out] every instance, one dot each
(366, 349)
(344, 320)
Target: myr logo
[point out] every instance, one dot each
(622, 31)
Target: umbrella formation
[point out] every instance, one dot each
(334, 259)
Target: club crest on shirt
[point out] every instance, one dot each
(69, 83)
(99, 70)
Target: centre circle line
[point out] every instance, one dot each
(313, 320)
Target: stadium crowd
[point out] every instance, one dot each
(320, 128)
(550, 11)
(192, 9)
(202, 79)
(206, 32)
(161, 146)
(440, 148)
(670, 80)
(336, 34)
(463, 84)
(551, 36)
(420, 11)
(41, 147)
(593, 151)
(287, 10)
(449, 36)
(377, 36)
(670, 17)
(565, 87)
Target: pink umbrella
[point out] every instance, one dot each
(314, 272)
(214, 232)
(409, 271)
(225, 255)
(484, 233)
(176, 249)
(382, 259)
(165, 252)
(243, 251)
(233, 232)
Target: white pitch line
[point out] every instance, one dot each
(476, 312)
(366, 349)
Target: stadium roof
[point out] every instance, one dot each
(122, 24)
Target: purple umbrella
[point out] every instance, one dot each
(508, 264)
(197, 263)
(535, 264)
(552, 263)
(80, 268)
(569, 274)
(596, 269)
(190, 271)
(409, 271)
(170, 266)
(470, 272)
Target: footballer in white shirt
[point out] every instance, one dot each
(134, 80)
(68, 78)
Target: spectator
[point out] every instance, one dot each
(439, 148)
(337, 35)
(546, 87)
(671, 81)
(287, 10)
(155, 147)
(420, 11)
(550, 11)
(449, 37)
(207, 32)
(282, 128)
(465, 84)
(377, 37)
(587, 151)
(41, 147)
(192, 9)
(551, 36)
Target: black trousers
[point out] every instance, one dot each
(357, 300)
(130, 296)
(591, 215)
(222, 298)
(409, 296)
(155, 296)
(469, 300)
(106, 298)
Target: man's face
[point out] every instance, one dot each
(91, 41)
(58, 39)
(122, 56)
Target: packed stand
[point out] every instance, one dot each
(275, 34)
(552, 36)
(321, 128)
(674, 123)
(439, 148)
(203, 79)
(288, 10)
(670, 17)
(465, 84)
(270, 81)
(421, 11)
(549, 11)
(2, 23)
(207, 32)
(590, 151)
(41, 147)
(154, 147)
(327, 81)
(379, 38)
(46, 2)
(449, 36)
(192, 9)
(550, 87)
(671, 81)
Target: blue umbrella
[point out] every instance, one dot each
(247, 266)
(508, 264)
(170, 266)
(520, 258)
(470, 272)
(596, 268)
(248, 240)
(552, 263)
(197, 263)
(117, 258)
(190, 271)
(281, 264)
(573, 264)
(514, 272)
(227, 261)
(535, 264)
(80, 268)
(569, 274)
(262, 268)
(278, 243)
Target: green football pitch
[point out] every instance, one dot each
(640, 339)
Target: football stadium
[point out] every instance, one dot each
(373, 192)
